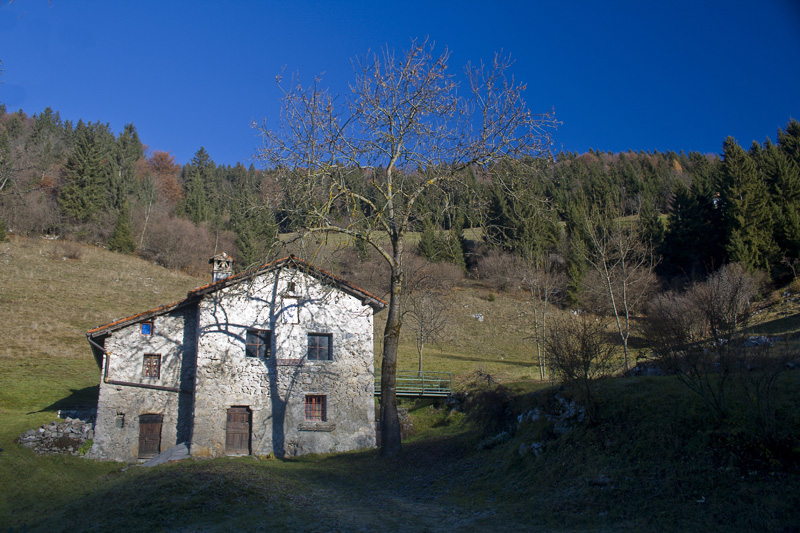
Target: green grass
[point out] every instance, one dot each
(654, 461)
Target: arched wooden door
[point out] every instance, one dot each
(237, 431)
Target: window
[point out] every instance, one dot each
(315, 408)
(152, 366)
(146, 328)
(319, 347)
(291, 287)
(257, 343)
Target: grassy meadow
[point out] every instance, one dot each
(655, 460)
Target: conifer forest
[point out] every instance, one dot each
(690, 213)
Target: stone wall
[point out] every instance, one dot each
(121, 402)
(205, 372)
(274, 388)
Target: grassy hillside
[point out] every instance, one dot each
(654, 460)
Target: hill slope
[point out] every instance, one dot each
(654, 460)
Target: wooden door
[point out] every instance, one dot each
(149, 436)
(237, 431)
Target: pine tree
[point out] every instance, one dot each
(789, 141)
(197, 176)
(429, 246)
(127, 150)
(122, 238)
(744, 201)
(652, 226)
(783, 176)
(84, 177)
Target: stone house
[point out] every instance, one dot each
(274, 360)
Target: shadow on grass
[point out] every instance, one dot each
(224, 492)
(485, 361)
(788, 325)
(85, 397)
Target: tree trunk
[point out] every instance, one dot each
(390, 423)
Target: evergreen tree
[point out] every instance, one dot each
(84, 176)
(122, 238)
(197, 174)
(456, 243)
(783, 176)
(429, 246)
(256, 233)
(127, 151)
(652, 227)
(47, 143)
(744, 201)
(789, 141)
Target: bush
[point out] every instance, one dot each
(3, 235)
(581, 354)
(67, 250)
(698, 334)
(498, 269)
(794, 286)
(489, 406)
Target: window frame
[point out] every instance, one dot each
(316, 408)
(263, 349)
(147, 369)
(316, 349)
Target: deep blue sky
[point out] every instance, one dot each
(634, 75)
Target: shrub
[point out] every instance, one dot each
(67, 250)
(580, 354)
(498, 269)
(794, 286)
(698, 334)
(489, 406)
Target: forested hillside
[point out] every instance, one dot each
(692, 212)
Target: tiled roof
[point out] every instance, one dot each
(196, 294)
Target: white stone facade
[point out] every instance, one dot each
(294, 399)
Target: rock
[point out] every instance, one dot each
(65, 437)
(176, 453)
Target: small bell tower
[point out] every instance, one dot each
(221, 267)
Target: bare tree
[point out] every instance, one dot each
(623, 263)
(427, 305)
(544, 280)
(357, 165)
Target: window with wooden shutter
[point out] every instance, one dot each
(152, 366)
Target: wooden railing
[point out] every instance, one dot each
(422, 384)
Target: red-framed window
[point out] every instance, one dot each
(315, 408)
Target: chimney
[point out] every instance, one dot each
(221, 267)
